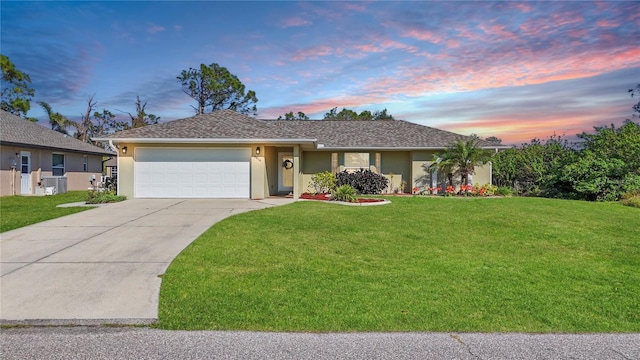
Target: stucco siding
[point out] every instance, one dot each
(482, 174)
(421, 160)
(314, 162)
(398, 164)
(258, 175)
(7, 186)
(125, 171)
(41, 165)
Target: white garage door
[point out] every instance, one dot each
(191, 173)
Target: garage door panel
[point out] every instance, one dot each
(192, 173)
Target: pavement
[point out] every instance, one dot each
(103, 265)
(143, 343)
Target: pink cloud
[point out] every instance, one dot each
(523, 7)
(321, 106)
(155, 29)
(522, 127)
(499, 31)
(423, 35)
(355, 7)
(607, 24)
(312, 53)
(294, 22)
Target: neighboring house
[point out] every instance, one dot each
(225, 154)
(111, 167)
(30, 153)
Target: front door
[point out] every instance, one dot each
(25, 172)
(285, 174)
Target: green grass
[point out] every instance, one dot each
(19, 211)
(418, 264)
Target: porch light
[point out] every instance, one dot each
(258, 150)
(124, 150)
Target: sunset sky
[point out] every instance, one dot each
(515, 70)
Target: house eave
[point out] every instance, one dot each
(394, 148)
(207, 141)
(56, 148)
(379, 148)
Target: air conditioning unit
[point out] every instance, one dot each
(58, 183)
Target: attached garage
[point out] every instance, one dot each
(192, 173)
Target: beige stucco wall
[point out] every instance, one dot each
(258, 175)
(41, 165)
(314, 162)
(422, 179)
(420, 161)
(482, 174)
(397, 163)
(7, 185)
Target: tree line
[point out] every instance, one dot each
(601, 166)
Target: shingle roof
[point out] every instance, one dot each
(221, 124)
(372, 134)
(228, 124)
(18, 131)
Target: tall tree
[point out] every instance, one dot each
(105, 122)
(382, 115)
(215, 88)
(462, 157)
(347, 114)
(83, 127)
(15, 94)
(291, 116)
(57, 121)
(142, 118)
(635, 91)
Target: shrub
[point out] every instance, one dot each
(504, 191)
(632, 199)
(485, 190)
(363, 181)
(103, 197)
(323, 182)
(344, 193)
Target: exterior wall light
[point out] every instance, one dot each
(258, 150)
(124, 150)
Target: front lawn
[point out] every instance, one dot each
(19, 211)
(418, 264)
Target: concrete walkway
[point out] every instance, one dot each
(103, 265)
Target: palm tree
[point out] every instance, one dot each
(461, 158)
(57, 121)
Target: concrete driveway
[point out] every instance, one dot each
(103, 265)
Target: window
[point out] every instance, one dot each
(356, 160)
(114, 171)
(85, 163)
(57, 165)
(25, 163)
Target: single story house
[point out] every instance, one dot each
(224, 154)
(31, 153)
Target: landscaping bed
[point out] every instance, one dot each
(327, 197)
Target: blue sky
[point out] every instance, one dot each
(515, 70)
